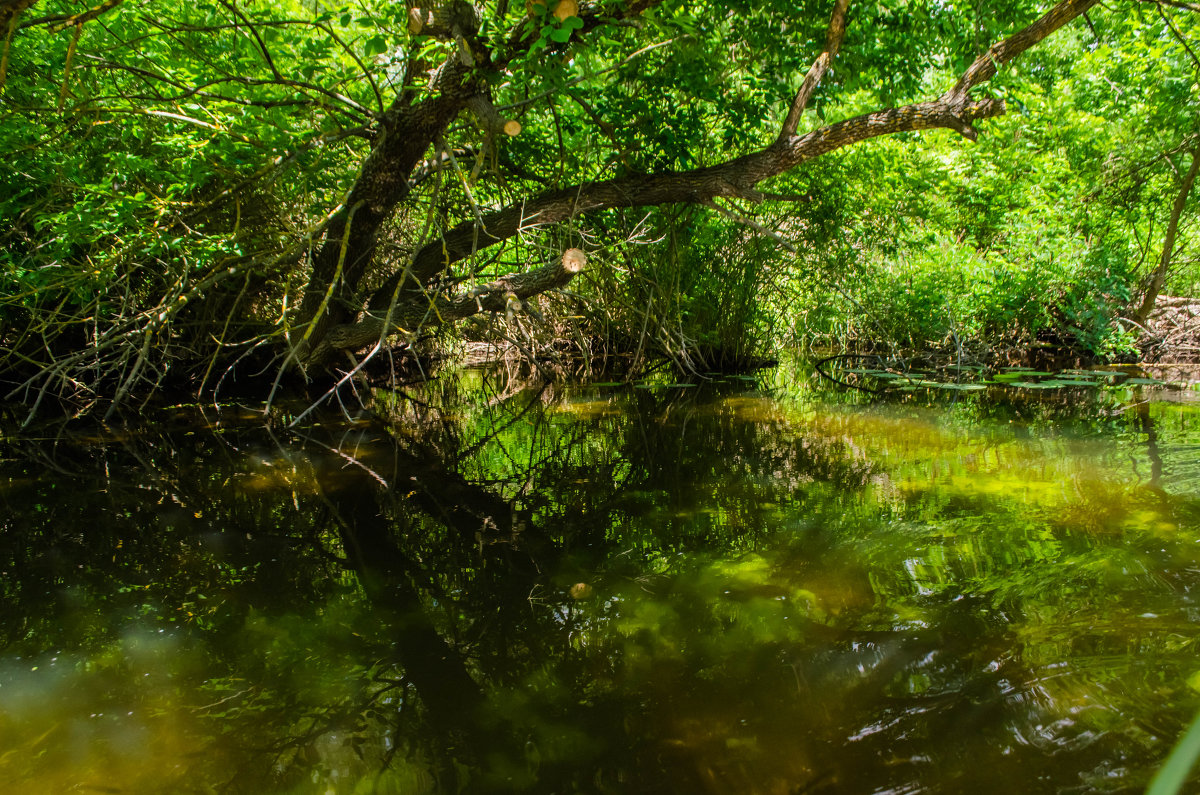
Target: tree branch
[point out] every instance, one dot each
(735, 179)
(1159, 277)
(497, 296)
(833, 42)
(406, 133)
(987, 65)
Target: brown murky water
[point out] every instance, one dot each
(739, 587)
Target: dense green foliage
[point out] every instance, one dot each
(175, 171)
(1050, 225)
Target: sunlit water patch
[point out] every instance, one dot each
(743, 586)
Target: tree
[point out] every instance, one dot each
(186, 173)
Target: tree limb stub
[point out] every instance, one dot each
(490, 119)
(496, 296)
(445, 21)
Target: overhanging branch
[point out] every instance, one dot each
(735, 179)
(987, 65)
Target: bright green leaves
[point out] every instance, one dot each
(565, 30)
(555, 23)
(375, 45)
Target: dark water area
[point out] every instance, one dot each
(745, 586)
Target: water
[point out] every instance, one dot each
(739, 587)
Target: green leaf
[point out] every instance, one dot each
(376, 45)
(1174, 773)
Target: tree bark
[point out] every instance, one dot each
(406, 133)
(10, 16)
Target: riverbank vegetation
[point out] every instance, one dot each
(201, 196)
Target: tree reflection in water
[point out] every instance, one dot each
(706, 590)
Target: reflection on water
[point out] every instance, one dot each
(734, 588)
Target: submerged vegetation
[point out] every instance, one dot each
(198, 195)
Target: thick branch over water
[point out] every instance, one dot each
(738, 178)
(505, 293)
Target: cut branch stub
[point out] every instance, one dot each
(490, 119)
(416, 21)
(573, 261)
(566, 9)
(563, 9)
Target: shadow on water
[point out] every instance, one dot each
(731, 588)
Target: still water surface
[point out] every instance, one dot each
(740, 587)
